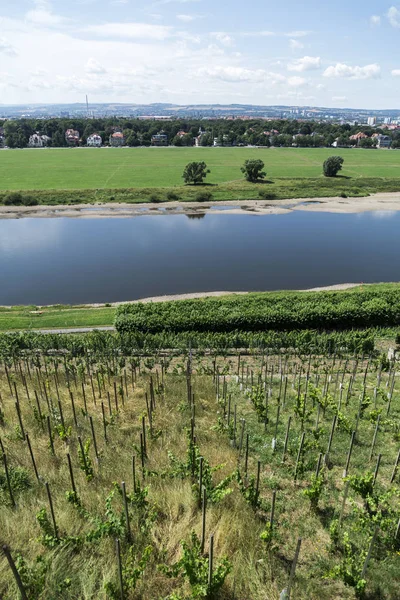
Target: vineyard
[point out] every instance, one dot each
(149, 474)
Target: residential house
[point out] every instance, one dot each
(117, 139)
(357, 137)
(224, 141)
(181, 134)
(160, 139)
(38, 141)
(72, 137)
(94, 140)
(382, 141)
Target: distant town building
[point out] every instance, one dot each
(371, 121)
(94, 140)
(160, 139)
(72, 137)
(197, 140)
(382, 141)
(38, 141)
(117, 139)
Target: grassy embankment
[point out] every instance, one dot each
(61, 317)
(73, 556)
(71, 176)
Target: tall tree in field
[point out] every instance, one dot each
(333, 165)
(253, 170)
(195, 172)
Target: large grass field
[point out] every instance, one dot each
(68, 169)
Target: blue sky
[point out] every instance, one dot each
(292, 52)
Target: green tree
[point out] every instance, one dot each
(195, 172)
(253, 170)
(333, 165)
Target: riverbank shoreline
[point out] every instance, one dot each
(90, 317)
(374, 202)
(192, 296)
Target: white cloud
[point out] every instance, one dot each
(393, 15)
(296, 45)
(223, 38)
(185, 18)
(7, 48)
(234, 74)
(131, 30)
(42, 15)
(346, 71)
(297, 34)
(339, 99)
(296, 81)
(92, 66)
(308, 63)
(240, 74)
(375, 20)
(396, 72)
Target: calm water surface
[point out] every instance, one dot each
(48, 261)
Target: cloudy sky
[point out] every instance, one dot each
(343, 53)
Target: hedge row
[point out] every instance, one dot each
(259, 312)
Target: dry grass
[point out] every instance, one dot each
(257, 573)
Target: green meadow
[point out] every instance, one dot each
(87, 168)
(135, 174)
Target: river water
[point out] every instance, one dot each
(72, 261)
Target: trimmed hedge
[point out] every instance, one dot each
(260, 312)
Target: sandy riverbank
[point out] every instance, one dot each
(375, 202)
(193, 296)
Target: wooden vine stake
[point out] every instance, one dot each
(119, 563)
(353, 436)
(285, 595)
(210, 563)
(71, 474)
(286, 439)
(396, 464)
(14, 570)
(203, 520)
(53, 517)
(32, 456)
(127, 522)
(368, 558)
(303, 435)
(13, 504)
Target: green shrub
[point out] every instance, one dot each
(266, 195)
(14, 199)
(172, 196)
(29, 201)
(17, 199)
(154, 198)
(203, 197)
(343, 195)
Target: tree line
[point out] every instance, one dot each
(182, 132)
